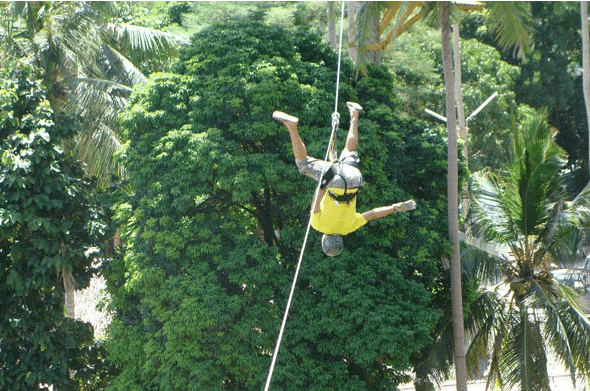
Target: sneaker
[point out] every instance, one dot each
(281, 117)
(354, 106)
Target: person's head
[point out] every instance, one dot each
(332, 245)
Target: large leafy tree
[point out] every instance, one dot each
(214, 213)
(48, 224)
(91, 59)
(528, 313)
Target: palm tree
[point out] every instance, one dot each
(528, 314)
(89, 68)
(453, 199)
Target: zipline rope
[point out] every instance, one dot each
(331, 149)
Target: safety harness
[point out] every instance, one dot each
(337, 170)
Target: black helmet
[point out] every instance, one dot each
(332, 245)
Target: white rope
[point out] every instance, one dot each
(335, 120)
(339, 57)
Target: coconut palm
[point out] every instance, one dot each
(528, 314)
(88, 57)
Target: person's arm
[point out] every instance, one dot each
(383, 211)
(318, 201)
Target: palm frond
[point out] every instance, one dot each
(41, 44)
(495, 208)
(495, 376)
(398, 17)
(577, 327)
(96, 149)
(557, 337)
(483, 263)
(147, 42)
(118, 67)
(97, 102)
(439, 357)
(99, 92)
(580, 205)
(483, 324)
(74, 25)
(510, 20)
(534, 171)
(566, 241)
(524, 359)
(367, 36)
(29, 11)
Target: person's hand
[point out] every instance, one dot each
(406, 206)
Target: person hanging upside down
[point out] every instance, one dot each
(334, 212)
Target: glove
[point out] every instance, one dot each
(406, 206)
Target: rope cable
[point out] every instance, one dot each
(335, 124)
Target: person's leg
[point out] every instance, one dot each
(352, 139)
(290, 123)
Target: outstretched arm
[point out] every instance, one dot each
(378, 213)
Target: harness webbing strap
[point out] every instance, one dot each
(335, 119)
(346, 197)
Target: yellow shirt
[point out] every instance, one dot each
(337, 218)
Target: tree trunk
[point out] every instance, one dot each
(458, 94)
(586, 72)
(463, 130)
(453, 207)
(374, 55)
(331, 24)
(70, 289)
(352, 51)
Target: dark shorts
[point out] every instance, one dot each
(314, 168)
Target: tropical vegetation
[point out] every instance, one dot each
(526, 315)
(91, 58)
(50, 222)
(205, 210)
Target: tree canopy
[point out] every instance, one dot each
(214, 212)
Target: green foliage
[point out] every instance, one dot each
(48, 219)
(310, 15)
(200, 288)
(415, 58)
(176, 11)
(551, 77)
(90, 58)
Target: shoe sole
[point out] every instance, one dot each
(353, 105)
(282, 117)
